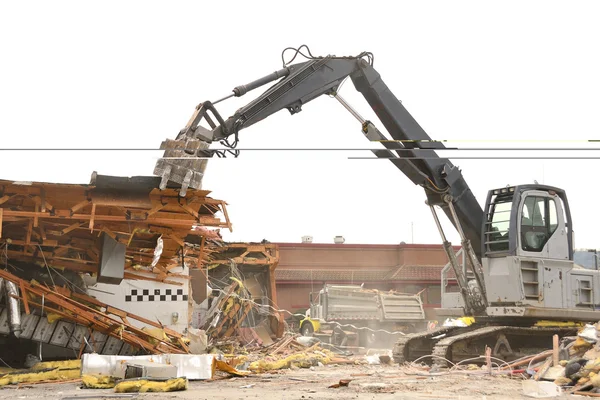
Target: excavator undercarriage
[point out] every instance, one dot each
(450, 345)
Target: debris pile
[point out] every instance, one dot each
(240, 309)
(61, 303)
(52, 239)
(51, 225)
(172, 372)
(574, 365)
(235, 318)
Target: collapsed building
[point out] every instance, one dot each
(121, 266)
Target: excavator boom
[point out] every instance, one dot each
(518, 247)
(413, 150)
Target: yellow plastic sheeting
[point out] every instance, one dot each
(223, 366)
(98, 381)
(302, 360)
(68, 364)
(146, 385)
(581, 344)
(156, 333)
(32, 376)
(59, 371)
(241, 285)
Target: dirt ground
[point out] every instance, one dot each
(382, 382)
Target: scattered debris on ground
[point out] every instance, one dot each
(366, 382)
(573, 365)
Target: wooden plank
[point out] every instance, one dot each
(92, 255)
(129, 275)
(67, 263)
(178, 240)
(70, 228)
(89, 313)
(588, 394)
(46, 206)
(42, 231)
(115, 311)
(59, 251)
(234, 326)
(174, 219)
(60, 213)
(1, 220)
(154, 210)
(227, 220)
(284, 343)
(79, 206)
(29, 230)
(4, 199)
(108, 232)
(25, 300)
(93, 214)
(555, 351)
(119, 312)
(190, 211)
(543, 369)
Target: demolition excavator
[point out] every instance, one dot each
(517, 279)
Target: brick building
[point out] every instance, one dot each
(410, 268)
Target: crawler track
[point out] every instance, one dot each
(507, 343)
(460, 344)
(414, 345)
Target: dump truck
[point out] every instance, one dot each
(342, 313)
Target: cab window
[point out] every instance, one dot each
(539, 220)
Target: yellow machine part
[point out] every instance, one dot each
(542, 323)
(315, 323)
(545, 323)
(467, 320)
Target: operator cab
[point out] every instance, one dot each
(527, 221)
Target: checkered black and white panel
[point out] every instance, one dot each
(156, 295)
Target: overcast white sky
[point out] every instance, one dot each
(110, 74)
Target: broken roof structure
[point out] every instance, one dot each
(62, 225)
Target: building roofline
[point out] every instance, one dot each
(362, 246)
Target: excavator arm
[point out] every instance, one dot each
(411, 150)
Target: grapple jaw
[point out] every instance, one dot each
(185, 158)
(182, 163)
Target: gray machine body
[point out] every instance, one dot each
(527, 276)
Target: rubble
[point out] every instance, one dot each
(170, 372)
(53, 225)
(572, 365)
(98, 317)
(51, 237)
